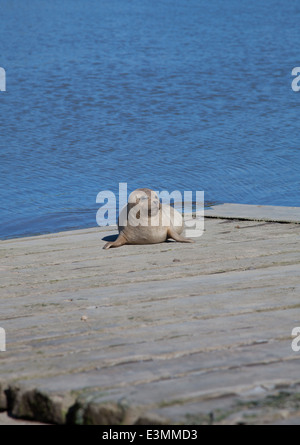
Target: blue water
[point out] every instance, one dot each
(171, 95)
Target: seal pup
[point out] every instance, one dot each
(144, 220)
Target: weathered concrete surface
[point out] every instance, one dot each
(254, 212)
(165, 333)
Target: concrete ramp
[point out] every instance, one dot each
(165, 333)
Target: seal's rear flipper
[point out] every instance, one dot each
(174, 235)
(120, 241)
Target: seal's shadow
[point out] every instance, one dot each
(110, 238)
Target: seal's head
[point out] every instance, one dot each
(145, 201)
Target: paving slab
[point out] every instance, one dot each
(254, 212)
(168, 333)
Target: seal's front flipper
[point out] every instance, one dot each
(120, 241)
(174, 235)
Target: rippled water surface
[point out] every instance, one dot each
(175, 94)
